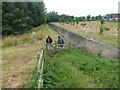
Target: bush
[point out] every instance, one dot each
(102, 21)
(101, 29)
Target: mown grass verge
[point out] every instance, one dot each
(79, 69)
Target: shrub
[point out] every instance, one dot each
(101, 29)
(102, 21)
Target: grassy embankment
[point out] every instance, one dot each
(65, 69)
(19, 55)
(79, 69)
(108, 37)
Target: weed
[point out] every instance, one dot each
(78, 69)
(34, 80)
(22, 86)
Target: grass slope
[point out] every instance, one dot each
(19, 55)
(78, 69)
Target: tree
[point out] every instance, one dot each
(98, 17)
(77, 21)
(93, 18)
(81, 18)
(52, 17)
(88, 17)
(102, 27)
(74, 22)
(19, 17)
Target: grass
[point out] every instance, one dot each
(21, 39)
(78, 69)
(108, 37)
(19, 55)
(19, 59)
(34, 79)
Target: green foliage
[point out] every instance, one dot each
(101, 29)
(19, 17)
(52, 17)
(102, 21)
(77, 20)
(22, 86)
(98, 17)
(81, 18)
(34, 80)
(72, 69)
(74, 22)
(88, 17)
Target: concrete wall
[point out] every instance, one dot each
(86, 44)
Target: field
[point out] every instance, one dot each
(108, 37)
(78, 69)
(20, 55)
(67, 69)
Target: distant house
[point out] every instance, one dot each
(112, 16)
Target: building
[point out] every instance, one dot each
(112, 16)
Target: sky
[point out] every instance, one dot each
(82, 7)
(21, 0)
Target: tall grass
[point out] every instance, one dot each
(21, 39)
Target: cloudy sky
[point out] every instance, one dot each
(82, 7)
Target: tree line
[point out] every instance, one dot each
(54, 17)
(20, 17)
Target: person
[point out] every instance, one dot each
(60, 41)
(49, 41)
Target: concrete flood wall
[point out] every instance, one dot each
(86, 44)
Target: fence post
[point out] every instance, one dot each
(55, 45)
(90, 32)
(40, 62)
(38, 56)
(69, 45)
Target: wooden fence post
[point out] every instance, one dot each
(69, 45)
(55, 45)
(39, 68)
(38, 56)
(90, 32)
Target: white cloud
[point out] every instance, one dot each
(82, 7)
